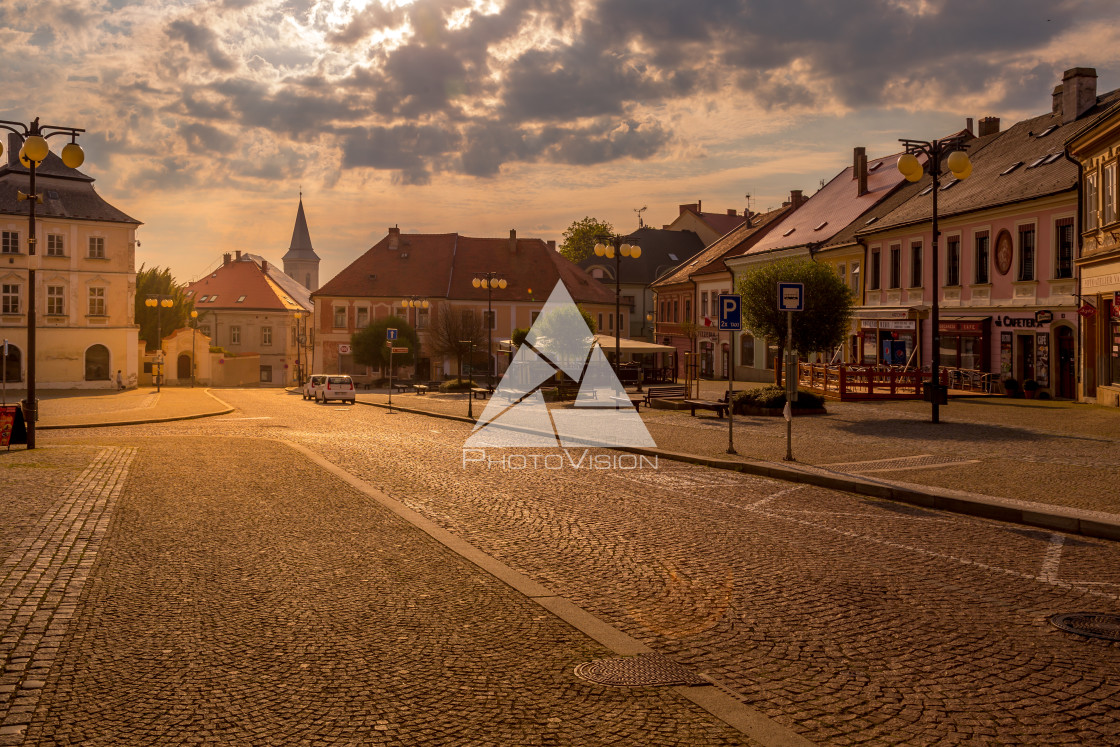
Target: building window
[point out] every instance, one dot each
(855, 279)
(676, 310)
(339, 317)
(953, 261)
(97, 363)
(688, 309)
(982, 260)
(746, 350)
(9, 298)
(55, 298)
(1026, 253)
(704, 303)
(896, 267)
(916, 264)
(266, 374)
(842, 273)
(97, 302)
(9, 242)
(362, 317)
(600, 321)
(55, 246)
(1091, 209)
(266, 336)
(96, 247)
(422, 318)
(235, 335)
(533, 317)
(876, 269)
(610, 321)
(1108, 194)
(1063, 260)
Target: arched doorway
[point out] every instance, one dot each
(13, 364)
(97, 363)
(183, 369)
(1067, 363)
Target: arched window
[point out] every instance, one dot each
(13, 363)
(97, 363)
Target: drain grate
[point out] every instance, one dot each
(645, 670)
(1091, 624)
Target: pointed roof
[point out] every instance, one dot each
(301, 248)
(248, 284)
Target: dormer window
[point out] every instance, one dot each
(789, 232)
(822, 225)
(1047, 131)
(1011, 168)
(240, 299)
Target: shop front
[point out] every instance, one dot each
(892, 342)
(1100, 310)
(1038, 346)
(965, 343)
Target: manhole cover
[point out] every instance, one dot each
(645, 670)
(1092, 624)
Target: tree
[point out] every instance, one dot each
(580, 238)
(158, 281)
(369, 348)
(453, 332)
(824, 323)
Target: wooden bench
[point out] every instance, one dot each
(677, 391)
(420, 388)
(635, 402)
(480, 392)
(402, 386)
(719, 407)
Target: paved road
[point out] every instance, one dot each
(848, 620)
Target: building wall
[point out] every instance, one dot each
(277, 358)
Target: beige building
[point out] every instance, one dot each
(85, 279)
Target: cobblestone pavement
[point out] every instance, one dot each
(1058, 453)
(847, 619)
(244, 596)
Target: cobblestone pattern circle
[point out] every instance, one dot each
(1091, 624)
(638, 671)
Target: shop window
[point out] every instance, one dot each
(982, 258)
(1026, 253)
(896, 267)
(953, 261)
(1063, 255)
(916, 264)
(876, 269)
(1114, 353)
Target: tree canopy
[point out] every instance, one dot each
(580, 238)
(368, 344)
(158, 281)
(453, 333)
(826, 319)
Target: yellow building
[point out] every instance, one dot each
(85, 279)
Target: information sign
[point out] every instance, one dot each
(791, 296)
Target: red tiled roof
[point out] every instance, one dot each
(444, 266)
(721, 223)
(230, 281)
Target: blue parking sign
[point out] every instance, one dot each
(391, 333)
(730, 312)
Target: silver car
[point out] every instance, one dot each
(336, 386)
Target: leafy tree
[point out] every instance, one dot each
(580, 238)
(518, 337)
(158, 281)
(369, 349)
(452, 333)
(822, 326)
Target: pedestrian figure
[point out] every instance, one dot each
(120, 381)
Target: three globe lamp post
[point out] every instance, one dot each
(416, 303)
(616, 248)
(159, 303)
(32, 153)
(951, 151)
(489, 281)
(194, 333)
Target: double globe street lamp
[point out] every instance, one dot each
(416, 303)
(489, 281)
(32, 153)
(616, 247)
(951, 150)
(159, 303)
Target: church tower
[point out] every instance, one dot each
(301, 262)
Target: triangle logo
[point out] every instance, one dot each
(559, 342)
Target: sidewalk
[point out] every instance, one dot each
(91, 409)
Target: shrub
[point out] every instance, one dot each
(773, 397)
(455, 385)
(1044, 395)
(1010, 385)
(1030, 385)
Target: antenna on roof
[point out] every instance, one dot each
(748, 212)
(639, 211)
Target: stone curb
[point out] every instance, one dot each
(143, 421)
(1039, 515)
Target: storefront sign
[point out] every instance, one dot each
(1043, 317)
(1042, 359)
(345, 349)
(1086, 310)
(1025, 321)
(887, 324)
(976, 327)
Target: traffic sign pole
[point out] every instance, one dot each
(730, 319)
(789, 383)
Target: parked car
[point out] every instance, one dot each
(337, 386)
(313, 386)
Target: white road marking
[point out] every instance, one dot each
(771, 497)
(1053, 558)
(260, 417)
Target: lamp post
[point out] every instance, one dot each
(951, 149)
(159, 303)
(470, 362)
(416, 303)
(299, 345)
(34, 151)
(194, 333)
(614, 246)
(489, 281)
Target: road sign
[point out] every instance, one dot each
(791, 296)
(730, 311)
(391, 333)
(400, 350)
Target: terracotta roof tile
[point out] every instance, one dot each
(230, 281)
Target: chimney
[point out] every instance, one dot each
(512, 241)
(988, 126)
(796, 198)
(552, 244)
(859, 169)
(694, 207)
(237, 254)
(1056, 100)
(226, 258)
(394, 238)
(968, 125)
(264, 265)
(732, 211)
(1079, 92)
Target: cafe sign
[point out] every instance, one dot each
(1023, 321)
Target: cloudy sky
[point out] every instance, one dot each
(205, 118)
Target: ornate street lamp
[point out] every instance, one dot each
(489, 281)
(299, 345)
(34, 151)
(416, 303)
(159, 303)
(614, 246)
(194, 332)
(951, 149)
(470, 358)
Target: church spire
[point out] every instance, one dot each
(301, 262)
